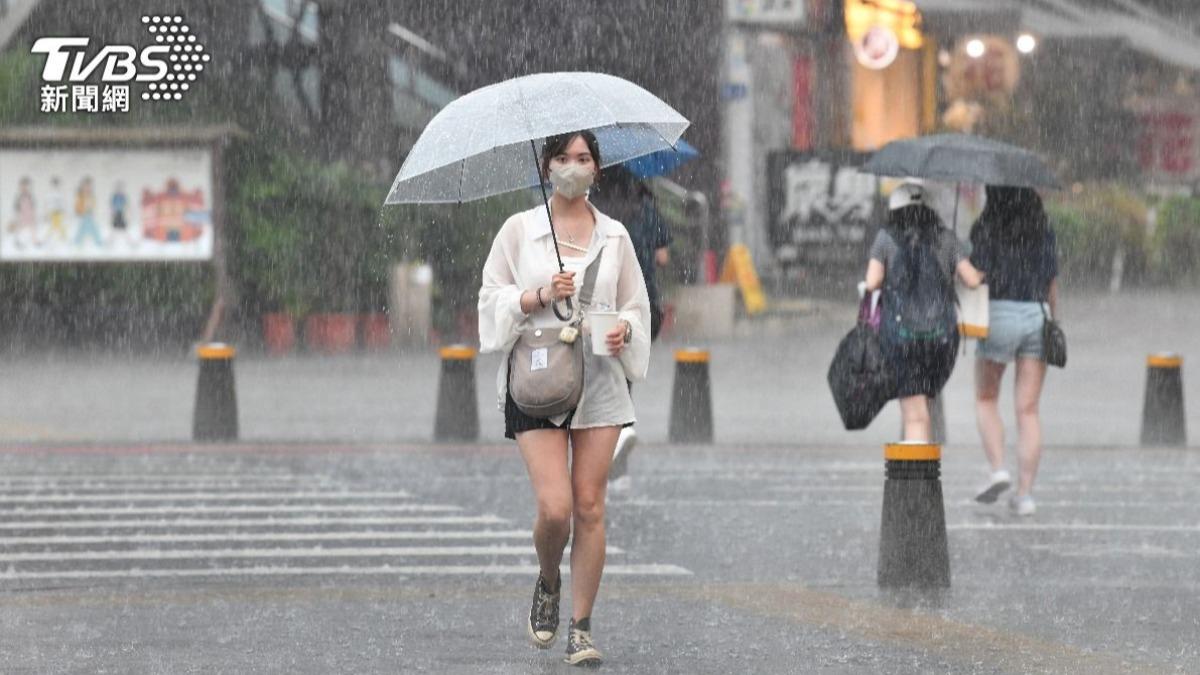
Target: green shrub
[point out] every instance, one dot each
(1177, 240)
(1090, 225)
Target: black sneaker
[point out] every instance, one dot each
(543, 616)
(580, 650)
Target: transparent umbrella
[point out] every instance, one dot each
(487, 142)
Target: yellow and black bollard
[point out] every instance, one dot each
(457, 408)
(691, 402)
(215, 417)
(913, 550)
(1163, 421)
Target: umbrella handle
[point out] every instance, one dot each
(570, 310)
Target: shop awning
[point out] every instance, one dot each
(1130, 21)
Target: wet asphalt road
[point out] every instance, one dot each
(417, 558)
(768, 384)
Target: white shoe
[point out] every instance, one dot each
(626, 442)
(1022, 505)
(999, 482)
(621, 485)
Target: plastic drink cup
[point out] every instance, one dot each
(602, 324)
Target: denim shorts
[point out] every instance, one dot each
(1014, 331)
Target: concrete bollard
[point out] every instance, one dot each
(913, 551)
(1163, 421)
(215, 417)
(937, 421)
(457, 407)
(691, 402)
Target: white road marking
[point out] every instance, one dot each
(376, 535)
(63, 497)
(249, 553)
(1071, 527)
(12, 515)
(250, 522)
(151, 478)
(392, 570)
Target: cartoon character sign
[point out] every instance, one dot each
(173, 215)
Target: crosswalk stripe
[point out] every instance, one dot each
(10, 515)
(251, 522)
(152, 478)
(1070, 527)
(374, 535)
(203, 496)
(257, 553)
(389, 570)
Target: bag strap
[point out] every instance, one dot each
(589, 281)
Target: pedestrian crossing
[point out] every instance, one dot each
(121, 526)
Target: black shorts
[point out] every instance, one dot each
(516, 421)
(922, 367)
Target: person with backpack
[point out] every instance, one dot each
(1013, 243)
(913, 260)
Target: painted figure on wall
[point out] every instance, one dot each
(174, 215)
(118, 203)
(56, 214)
(85, 208)
(23, 226)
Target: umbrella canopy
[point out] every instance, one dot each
(480, 144)
(961, 158)
(662, 162)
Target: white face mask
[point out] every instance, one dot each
(571, 179)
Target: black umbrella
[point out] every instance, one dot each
(959, 158)
(860, 378)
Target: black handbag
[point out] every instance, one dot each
(1054, 341)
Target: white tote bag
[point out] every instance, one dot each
(973, 311)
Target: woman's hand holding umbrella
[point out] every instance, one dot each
(562, 286)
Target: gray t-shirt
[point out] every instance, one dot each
(949, 250)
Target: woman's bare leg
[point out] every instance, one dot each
(592, 451)
(914, 410)
(987, 410)
(1031, 373)
(545, 453)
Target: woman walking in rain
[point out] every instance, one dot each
(1012, 242)
(521, 284)
(914, 259)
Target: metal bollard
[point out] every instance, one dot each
(215, 417)
(1163, 421)
(457, 407)
(691, 402)
(913, 551)
(937, 421)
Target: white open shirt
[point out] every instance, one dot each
(522, 259)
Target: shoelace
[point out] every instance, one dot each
(582, 640)
(544, 614)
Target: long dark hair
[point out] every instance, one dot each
(555, 145)
(1012, 217)
(914, 222)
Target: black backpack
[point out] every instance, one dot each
(918, 298)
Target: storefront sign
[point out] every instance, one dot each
(877, 48)
(1168, 140)
(820, 204)
(773, 12)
